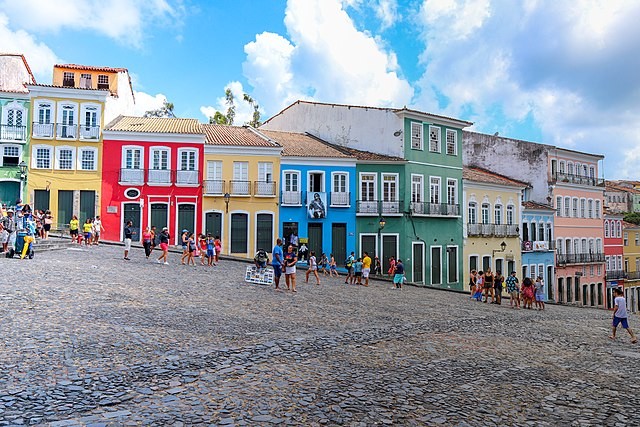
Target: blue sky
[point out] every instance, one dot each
(557, 72)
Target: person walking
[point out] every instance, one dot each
(128, 235)
(191, 248)
(620, 315)
(48, 221)
(290, 261)
(87, 229)
(163, 238)
(333, 267)
(211, 250)
(473, 278)
(377, 267)
(488, 285)
(313, 268)
(97, 230)
(539, 293)
(398, 277)
(392, 266)
(277, 260)
(324, 263)
(218, 246)
(348, 263)
(147, 239)
(184, 241)
(74, 224)
(357, 272)
(366, 268)
(497, 287)
(527, 292)
(512, 289)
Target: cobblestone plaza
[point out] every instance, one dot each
(90, 339)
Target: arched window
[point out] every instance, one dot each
(497, 214)
(574, 205)
(590, 208)
(485, 213)
(606, 229)
(567, 207)
(510, 214)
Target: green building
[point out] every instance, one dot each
(15, 127)
(409, 189)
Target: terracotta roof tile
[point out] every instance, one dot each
(240, 136)
(626, 224)
(537, 206)
(481, 175)
(297, 144)
(91, 68)
(369, 156)
(154, 125)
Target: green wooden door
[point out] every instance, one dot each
(338, 241)
(132, 212)
(315, 238)
(9, 192)
(389, 249)
(239, 224)
(87, 205)
(186, 218)
(159, 216)
(264, 234)
(213, 224)
(41, 200)
(65, 206)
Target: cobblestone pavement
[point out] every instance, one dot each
(90, 339)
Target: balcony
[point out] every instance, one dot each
(367, 207)
(264, 188)
(187, 177)
(240, 188)
(159, 176)
(214, 187)
(339, 198)
(632, 275)
(582, 258)
(434, 209)
(43, 130)
(538, 246)
(291, 198)
(615, 274)
(131, 176)
(577, 179)
(493, 230)
(66, 131)
(13, 133)
(391, 208)
(89, 132)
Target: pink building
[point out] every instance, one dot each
(578, 227)
(613, 253)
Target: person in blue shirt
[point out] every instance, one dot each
(398, 278)
(276, 262)
(357, 272)
(211, 250)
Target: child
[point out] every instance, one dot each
(333, 268)
(398, 277)
(539, 287)
(479, 286)
(87, 228)
(202, 242)
(620, 315)
(191, 248)
(211, 251)
(357, 271)
(323, 263)
(313, 268)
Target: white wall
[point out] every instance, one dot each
(367, 129)
(124, 103)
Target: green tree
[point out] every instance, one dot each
(165, 111)
(632, 217)
(228, 118)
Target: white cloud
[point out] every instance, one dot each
(244, 111)
(326, 58)
(387, 12)
(122, 20)
(556, 63)
(146, 102)
(39, 56)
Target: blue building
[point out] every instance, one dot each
(538, 245)
(317, 194)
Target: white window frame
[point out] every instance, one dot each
(322, 181)
(291, 196)
(84, 108)
(567, 207)
(61, 107)
(558, 205)
(590, 209)
(606, 228)
(472, 210)
(597, 209)
(452, 200)
(485, 207)
(265, 171)
(82, 150)
(396, 187)
(575, 213)
(59, 153)
(435, 190)
(338, 179)
(510, 214)
(374, 182)
(497, 214)
(153, 150)
(417, 136)
(182, 151)
(438, 141)
(454, 144)
(123, 163)
(34, 159)
(16, 146)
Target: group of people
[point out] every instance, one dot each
(19, 218)
(88, 233)
(486, 284)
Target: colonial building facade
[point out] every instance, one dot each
(538, 244)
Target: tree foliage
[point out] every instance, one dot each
(632, 217)
(229, 116)
(165, 111)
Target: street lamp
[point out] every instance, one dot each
(227, 197)
(23, 170)
(503, 246)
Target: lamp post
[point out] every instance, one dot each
(227, 197)
(23, 170)
(503, 246)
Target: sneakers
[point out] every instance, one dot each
(158, 261)
(166, 263)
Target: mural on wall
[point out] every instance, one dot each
(316, 202)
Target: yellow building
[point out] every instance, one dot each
(492, 213)
(240, 195)
(66, 150)
(631, 251)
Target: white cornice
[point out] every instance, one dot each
(428, 118)
(316, 161)
(68, 92)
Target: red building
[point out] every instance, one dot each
(152, 175)
(613, 254)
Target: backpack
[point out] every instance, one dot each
(348, 262)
